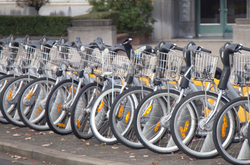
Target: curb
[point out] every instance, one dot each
(50, 155)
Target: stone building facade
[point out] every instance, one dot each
(175, 18)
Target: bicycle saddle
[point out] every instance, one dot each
(78, 43)
(116, 48)
(49, 43)
(69, 44)
(98, 43)
(166, 48)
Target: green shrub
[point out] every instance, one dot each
(135, 15)
(114, 15)
(34, 25)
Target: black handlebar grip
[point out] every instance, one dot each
(205, 50)
(178, 48)
(127, 42)
(246, 49)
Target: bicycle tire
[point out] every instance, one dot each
(99, 115)
(9, 97)
(152, 131)
(3, 81)
(31, 103)
(81, 110)
(122, 125)
(57, 117)
(186, 124)
(230, 132)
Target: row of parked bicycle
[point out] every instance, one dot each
(140, 97)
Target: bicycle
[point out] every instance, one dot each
(231, 126)
(192, 119)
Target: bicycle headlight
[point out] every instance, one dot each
(64, 66)
(106, 50)
(62, 41)
(11, 38)
(44, 40)
(82, 48)
(27, 40)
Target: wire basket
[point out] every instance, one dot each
(117, 63)
(91, 60)
(1, 50)
(169, 66)
(47, 58)
(143, 64)
(70, 55)
(203, 65)
(240, 69)
(3, 55)
(29, 57)
(15, 56)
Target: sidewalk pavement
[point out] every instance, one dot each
(49, 147)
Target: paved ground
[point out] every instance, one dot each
(48, 147)
(51, 148)
(9, 159)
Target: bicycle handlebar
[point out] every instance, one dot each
(245, 48)
(178, 48)
(205, 50)
(127, 41)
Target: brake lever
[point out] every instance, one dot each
(239, 48)
(172, 50)
(238, 51)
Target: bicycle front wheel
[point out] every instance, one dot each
(99, 116)
(122, 114)
(9, 97)
(4, 79)
(81, 110)
(230, 132)
(189, 129)
(31, 103)
(57, 107)
(152, 121)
